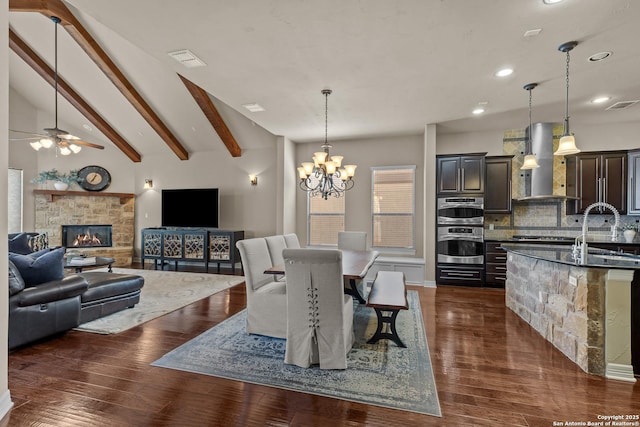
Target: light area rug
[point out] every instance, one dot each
(380, 374)
(163, 292)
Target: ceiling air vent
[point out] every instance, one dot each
(187, 58)
(622, 105)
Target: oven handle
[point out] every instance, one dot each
(448, 205)
(460, 237)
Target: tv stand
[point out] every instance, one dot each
(205, 245)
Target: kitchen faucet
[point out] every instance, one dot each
(580, 250)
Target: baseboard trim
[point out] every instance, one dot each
(617, 371)
(430, 284)
(5, 404)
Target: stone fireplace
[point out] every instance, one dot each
(77, 210)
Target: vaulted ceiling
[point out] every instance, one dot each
(394, 66)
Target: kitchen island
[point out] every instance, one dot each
(586, 311)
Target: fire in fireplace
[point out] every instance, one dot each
(86, 236)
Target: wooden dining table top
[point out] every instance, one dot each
(355, 264)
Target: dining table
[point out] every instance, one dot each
(355, 265)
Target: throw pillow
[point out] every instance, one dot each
(42, 269)
(39, 242)
(16, 284)
(20, 244)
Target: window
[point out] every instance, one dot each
(393, 206)
(15, 201)
(325, 219)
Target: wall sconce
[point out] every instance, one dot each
(148, 183)
(253, 179)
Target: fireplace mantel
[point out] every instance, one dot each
(50, 194)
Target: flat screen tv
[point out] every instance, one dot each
(194, 207)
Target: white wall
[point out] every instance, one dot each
(23, 116)
(387, 151)
(470, 142)
(5, 397)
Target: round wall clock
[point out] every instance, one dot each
(94, 178)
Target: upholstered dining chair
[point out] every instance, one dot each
(292, 241)
(352, 240)
(319, 314)
(266, 297)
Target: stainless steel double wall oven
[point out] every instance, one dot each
(460, 237)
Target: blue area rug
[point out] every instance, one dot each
(380, 374)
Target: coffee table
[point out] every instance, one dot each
(100, 262)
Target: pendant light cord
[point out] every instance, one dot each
(566, 115)
(529, 139)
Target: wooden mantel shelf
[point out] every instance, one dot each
(50, 194)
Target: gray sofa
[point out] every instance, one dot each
(43, 301)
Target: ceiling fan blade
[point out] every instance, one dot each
(86, 144)
(68, 136)
(39, 135)
(33, 138)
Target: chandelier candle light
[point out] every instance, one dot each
(325, 176)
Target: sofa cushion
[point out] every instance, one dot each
(36, 270)
(16, 284)
(19, 244)
(38, 242)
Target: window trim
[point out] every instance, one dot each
(404, 250)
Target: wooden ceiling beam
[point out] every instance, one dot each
(48, 74)
(211, 112)
(99, 56)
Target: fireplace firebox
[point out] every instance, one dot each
(86, 236)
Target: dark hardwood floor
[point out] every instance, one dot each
(491, 369)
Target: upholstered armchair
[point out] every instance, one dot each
(266, 296)
(319, 314)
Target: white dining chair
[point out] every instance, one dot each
(352, 240)
(319, 314)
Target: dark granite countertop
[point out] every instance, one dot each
(560, 240)
(596, 258)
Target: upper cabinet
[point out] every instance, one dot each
(597, 177)
(498, 179)
(460, 174)
(633, 202)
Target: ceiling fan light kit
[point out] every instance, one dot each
(64, 142)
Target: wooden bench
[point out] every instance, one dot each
(388, 296)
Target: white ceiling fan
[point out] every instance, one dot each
(55, 137)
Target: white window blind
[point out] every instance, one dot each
(325, 219)
(393, 210)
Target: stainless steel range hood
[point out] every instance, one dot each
(539, 182)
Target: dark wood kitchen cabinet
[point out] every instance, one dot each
(633, 201)
(495, 265)
(597, 177)
(498, 179)
(460, 173)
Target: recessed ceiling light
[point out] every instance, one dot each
(551, 1)
(532, 33)
(599, 56)
(504, 72)
(254, 107)
(187, 58)
(478, 110)
(600, 99)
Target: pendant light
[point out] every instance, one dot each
(567, 143)
(530, 161)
